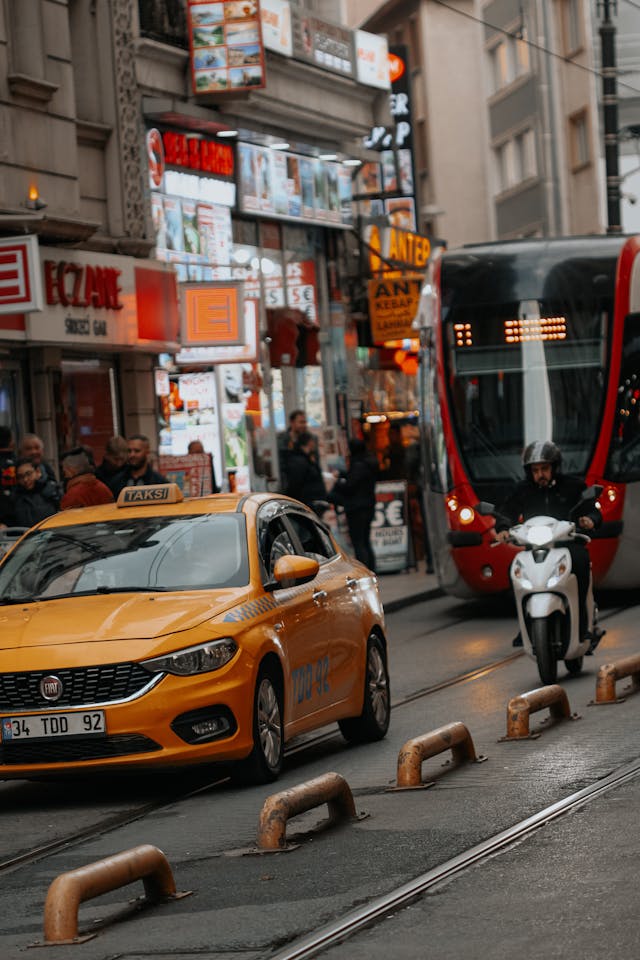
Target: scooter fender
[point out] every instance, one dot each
(541, 605)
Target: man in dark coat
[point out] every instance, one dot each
(33, 499)
(138, 471)
(546, 491)
(304, 476)
(355, 490)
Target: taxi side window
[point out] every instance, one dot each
(275, 542)
(315, 542)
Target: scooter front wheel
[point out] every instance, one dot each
(545, 654)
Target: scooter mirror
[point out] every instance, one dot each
(592, 493)
(485, 509)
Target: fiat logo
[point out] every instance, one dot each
(51, 688)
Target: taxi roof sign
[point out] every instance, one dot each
(150, 494)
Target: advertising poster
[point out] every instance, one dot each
(301, 289)
(276, 26)
(192, 473)
(390, 527)
(225, 39)
(192, 414)
(306, 184)
(173, 220)
(322, 43)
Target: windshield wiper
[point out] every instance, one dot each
(105, 589)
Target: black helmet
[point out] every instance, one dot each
(541, 451)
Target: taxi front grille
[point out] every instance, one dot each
(81, 686)
(74, 749)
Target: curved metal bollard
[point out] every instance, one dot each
(69, 890)
(609, 673)
(330, 788)
(520, 707)
(454, 737)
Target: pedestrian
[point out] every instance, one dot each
(355, 491)
(83, 489)
(113, 460)
(137, 470)
(7, 469)
(32, 498)
(287, 440)
(32, 448)
(304, 476)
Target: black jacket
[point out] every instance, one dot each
(25, 507)
(124, 479)
(304, 478)
(355, 490)
(557, 500)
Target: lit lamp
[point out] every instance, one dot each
(34, 201)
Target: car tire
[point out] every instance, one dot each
(373, 722)
(264, 763)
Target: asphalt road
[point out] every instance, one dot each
(248, 906)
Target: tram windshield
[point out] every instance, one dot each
(525, 337)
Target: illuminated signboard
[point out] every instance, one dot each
(524, 330)
(20, 287)
(212, 314)
(225, 40)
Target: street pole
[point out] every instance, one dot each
(610, 113)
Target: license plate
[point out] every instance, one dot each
(45, 726)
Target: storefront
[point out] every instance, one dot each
(79, 368)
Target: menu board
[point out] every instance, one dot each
(225, 40)
(280, 184)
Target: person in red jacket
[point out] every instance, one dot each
(83, 489)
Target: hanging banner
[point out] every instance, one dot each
(225, 40)
(390, 528)
(393, 304)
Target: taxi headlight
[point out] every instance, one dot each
(193, 660)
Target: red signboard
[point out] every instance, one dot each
(20, 288)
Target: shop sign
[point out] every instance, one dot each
(212, 314)
(276, 26)
(244, 353)
(372, 60)
(390, 528)
(20, 286)
(101, 299)
(275, 183)
(323, 44)
(390, 246)
(206, 168)
(225, 40)
(393, 304)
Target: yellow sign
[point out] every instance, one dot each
(150, 493)
(393, 304)
(389, 245)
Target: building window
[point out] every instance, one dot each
(579, 140)
(509, 59)
(572, 25)
(499, 66)
(515, 160)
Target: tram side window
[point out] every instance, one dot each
(624, 453)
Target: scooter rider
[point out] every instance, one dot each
(546, 491)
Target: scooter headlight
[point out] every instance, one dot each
(519, 574)
(559, 570)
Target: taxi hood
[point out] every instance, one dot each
(118, 616)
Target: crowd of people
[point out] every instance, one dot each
(30, 491)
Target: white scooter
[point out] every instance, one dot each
(546, 592)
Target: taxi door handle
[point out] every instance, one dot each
(319, 595)
(352, 583)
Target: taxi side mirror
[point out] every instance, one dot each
(292, 570)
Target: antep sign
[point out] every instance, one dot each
(393, 304)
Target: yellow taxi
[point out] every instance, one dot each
(162, 631)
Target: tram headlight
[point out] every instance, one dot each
(559, 570)
(518, 573)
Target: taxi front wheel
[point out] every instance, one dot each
(373, 722)
(264, 763)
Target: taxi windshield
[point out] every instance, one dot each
(128, 555)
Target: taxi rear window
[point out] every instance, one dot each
(200, 552)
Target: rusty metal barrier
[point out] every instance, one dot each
(609, 673)
(520, 707)
(330, 788)
(454, 737)
(69, 890)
